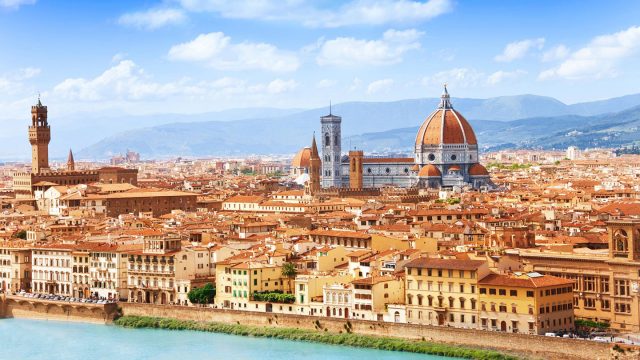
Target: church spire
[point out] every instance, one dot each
(445, 101)
(313, 186)
(71, 164)
(314, 147)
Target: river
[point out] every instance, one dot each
(37, 339)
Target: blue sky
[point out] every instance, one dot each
(193, 56)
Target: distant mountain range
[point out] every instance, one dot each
(605, 130)
(524, 121)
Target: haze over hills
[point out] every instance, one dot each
(604, 130)
(389, 126)
(373, 126)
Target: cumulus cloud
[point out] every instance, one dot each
(12, 83)
(517, 50)
(556, 53)
(216, 50)
(380, 12)
(153, 18)
(500, 76)
(357, 12)
(279, 86)
(126, 80)
(345, 51)
(15, 4)
(599, 58)
(379, 85)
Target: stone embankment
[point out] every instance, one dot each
(13, 306)
(531, 346)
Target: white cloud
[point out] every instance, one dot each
(345, 51)
(519, 49)
(357, 12)
(325, 83)
(14, 4)
(217, 50)
(500, 76)
(379, 85)
(380, 12)
(123, 81)
(599, 58)
(279, 86)
(556, 53)
(153, 18)
(13, 83)
(457, 77)
(127, 82)
(27, 73)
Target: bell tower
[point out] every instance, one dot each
(355, 169)
(39, 137)
(314, 169)
(331, 150)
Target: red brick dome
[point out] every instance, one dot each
(478, 170)
(429, 171)
(301, 160)
(445, 126)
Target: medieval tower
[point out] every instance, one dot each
(39, 137)
(355, 169)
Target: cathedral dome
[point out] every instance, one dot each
(478, 170)
(429, 171)
(301, 160)
(445, 126)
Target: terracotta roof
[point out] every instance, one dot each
(445, 126)
(455, 264)
(301, 160)
(524, 281)
(478, 170)
(429, 171)
(338, 233)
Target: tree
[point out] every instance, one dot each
(22, 234)
(202, 295)
(289, 271)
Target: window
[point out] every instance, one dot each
(502, 292)
(483, 290)
(513, 292)
(604, 284)
(621, 287)
(529, 293)
(492, 291)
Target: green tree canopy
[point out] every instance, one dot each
(202, 295)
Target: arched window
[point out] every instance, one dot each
(620, 241)
(327, 139)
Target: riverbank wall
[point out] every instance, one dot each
(12, 306)
(532, 346)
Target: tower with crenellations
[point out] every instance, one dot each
(39, 137)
